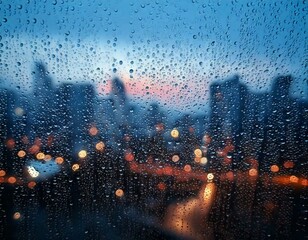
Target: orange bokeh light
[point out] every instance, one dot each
(31, 184)
(21, 153)
(119, 192)
(100, 146)
(274, 168)
(129, 156)
(294, 179)
(2, 173)
(253, 172)
(305, 182)
(161, 186)
(187, 168)
(11, 180)
(288, 164)
(59, 160)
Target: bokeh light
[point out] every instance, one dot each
(100, 146)
(175, 133)
(93, 131)
(21, 153)
(175, 158)
(119, 193)
(253, 172)
(82, 154)
(16, 215)
(2, 173)
(59, 160)
(11, 180)
(198, 153)
(47, 157)
(33, 172)
(288, 164)
(210, 176)
(294, 179)
(31, 184)
(187, 168)
(274, 168)
(40, 156)
(203, 160)
(75, 167)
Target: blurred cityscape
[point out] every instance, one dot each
(76, 165)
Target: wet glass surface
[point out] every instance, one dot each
(153, 120)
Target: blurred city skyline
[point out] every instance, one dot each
(159, 48)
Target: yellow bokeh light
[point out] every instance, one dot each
(75, 167)
(210, 176)
(175, 133)
(40, 156)
(100, 146)
(208, 192)
(175, 158)
(82, 154)
(59, 160)
(2, 173)
(16, 215)
(198, 153)
(119, 192)
(21, 153)
(203, 160)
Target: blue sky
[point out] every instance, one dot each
(177, 46)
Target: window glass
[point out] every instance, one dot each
(153, 119)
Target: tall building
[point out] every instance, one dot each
(75, 114)
(228, 102)
(43, 103)
(286, 123)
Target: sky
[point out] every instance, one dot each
(169, 51)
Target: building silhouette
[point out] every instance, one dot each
(42, 104)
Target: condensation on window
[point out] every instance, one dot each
(153, 119)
